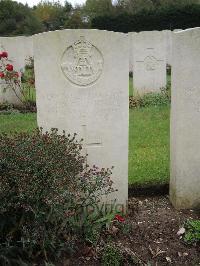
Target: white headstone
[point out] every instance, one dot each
(81, 84)
(130, 52)
(168, 45)
(19, 50)
(149, 61)
(168, 40)
(177, 30)
(185, 120)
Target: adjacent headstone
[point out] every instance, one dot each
(81, 84)
(168, 46)
(130, 52)
(19, 50)
(168, 42)
(149, 61)
(177, 30)
(185, 120)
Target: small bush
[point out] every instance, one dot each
(7, 108)
(111, 256)
(151, 99)
(192, 234)
(45, 184)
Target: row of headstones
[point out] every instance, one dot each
(81, 84)
(149, 54)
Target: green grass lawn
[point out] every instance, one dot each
(149, 145)
(10, 123)
(148, 141)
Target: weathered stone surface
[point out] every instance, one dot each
(81, 84)
(130, 51)
(168, 41)
(149, 61)
(168, 46)
(19, 50)
(185, 120)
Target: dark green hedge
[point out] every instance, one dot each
(172, 17)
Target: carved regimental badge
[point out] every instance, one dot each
(82, 63)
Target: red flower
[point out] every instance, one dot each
(9, 67)
(119, 218)
(2, 75)
(4, 54)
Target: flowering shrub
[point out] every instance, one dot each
(7, 70)
(45, 184)
(12, 79)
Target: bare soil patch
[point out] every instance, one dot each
(153, 238)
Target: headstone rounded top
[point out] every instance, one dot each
(82, 62)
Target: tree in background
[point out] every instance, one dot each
(167, 3)
(94, 8)
(52, 14)
(172, 16)
(77, 19)
(116, 15)
(17, 19)
(134, 6)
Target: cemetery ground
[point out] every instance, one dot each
(148, 234)
(51, 211)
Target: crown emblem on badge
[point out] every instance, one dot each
(82, 48)
(82, 51)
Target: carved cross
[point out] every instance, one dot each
(150, 61)
(96, 143)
